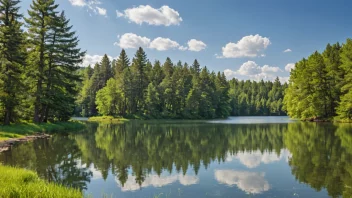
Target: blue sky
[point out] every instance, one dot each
(246, 39)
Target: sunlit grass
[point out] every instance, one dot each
(22, 183)
(106, 119)
(24, 129)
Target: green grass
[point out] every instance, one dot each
(22, 183)
(106, 119)
(24, 129)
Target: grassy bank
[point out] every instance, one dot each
(106, 119)
(25, 129)
(22, 183)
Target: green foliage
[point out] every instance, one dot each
(12, 60)
(143, 90)
(257, 98)
(108, 98)
(17, 182)
(39, 71)
(320, 86)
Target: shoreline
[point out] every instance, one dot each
(7, 144)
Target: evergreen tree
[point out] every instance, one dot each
(105, 70)
(138, 68)
(195, 68)
(12, 59)
(61, 75)
(42, 15)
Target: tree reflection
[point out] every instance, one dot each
(321, 156)
(138, 152)
(147, 147)
(55, 160)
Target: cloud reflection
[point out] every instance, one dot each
(156, 181)
(255, 158)
(250, 182)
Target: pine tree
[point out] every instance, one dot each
(139, 72)
(122, 63)
(41, 17)
(61, 75)
(105, 70)
(12, 58)
(195, 68)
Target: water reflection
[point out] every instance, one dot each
(251, 159)
(157, 181)
(249, 182)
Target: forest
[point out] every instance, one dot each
(320, 86)
(42, 80)
(38, 68)
(139, 88)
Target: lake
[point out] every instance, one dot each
(237, 157)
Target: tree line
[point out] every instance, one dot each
(139, 88)
(38, 66)
(321, 85)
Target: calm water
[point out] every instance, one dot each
(238, 157)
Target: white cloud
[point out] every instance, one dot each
(252, 159)
(287, 50)
(146, 14)
(195, 45)
(78, 2)
(249, 182)
(252, 71)
(91, 5)
(92, 60)
(248, 46)
(156, 181)
(162, 44)
(130, 40)
(101, 11)
(289, 67)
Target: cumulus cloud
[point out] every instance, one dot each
(252, 159)
(91, 5)
(146, 14)
(162, 44)
(92, 60)
(287, 50)
(248, 46)
(195, 45)
(249, 182)
(131, 40)
(156, 181)
(252, 71)
(289, 67)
